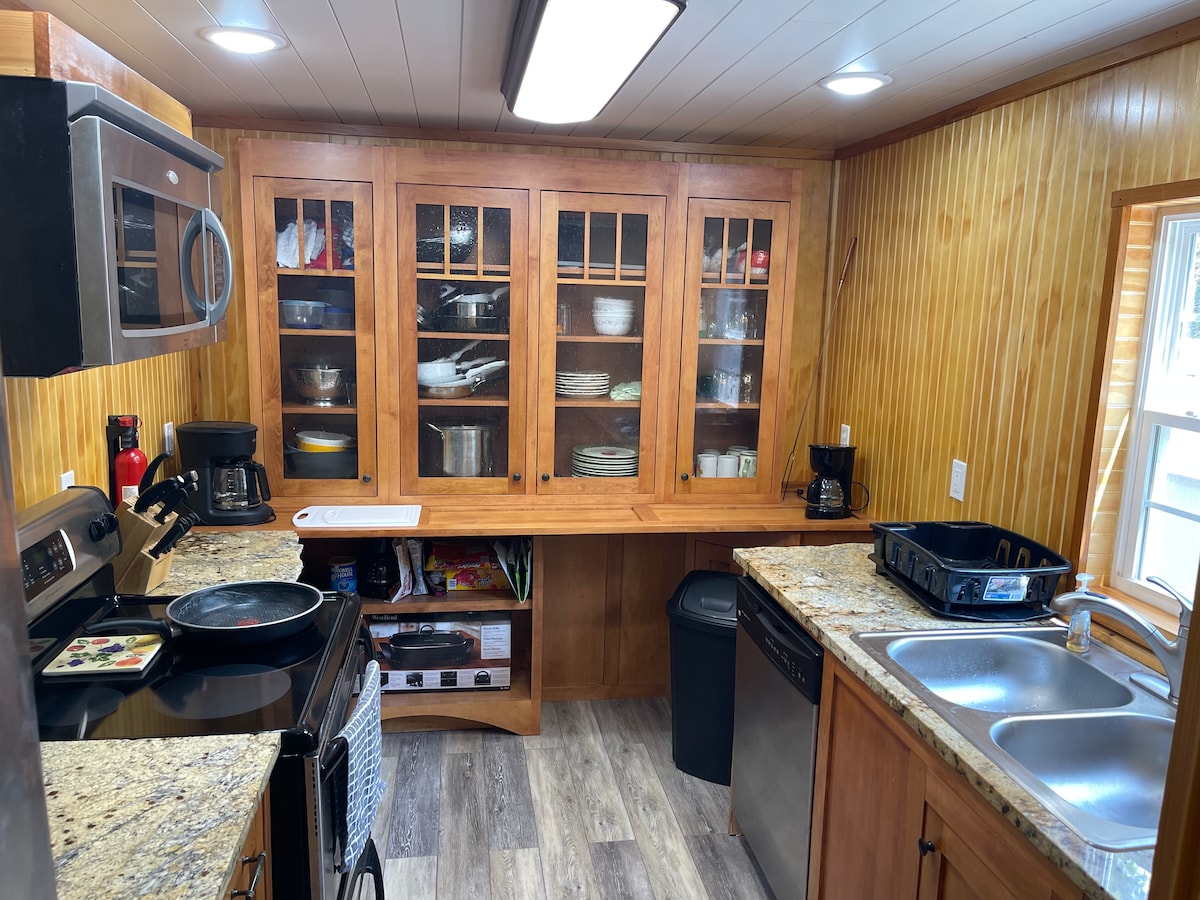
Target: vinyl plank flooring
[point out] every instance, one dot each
(700, 806)
(550, 735)
(467, 741)
(414, 878)
(604, 816)
(463, 865)
(672, 874)
(517, 875)
(415, 799)
(381, 826)
(566, 863)
(620, 871)
(726, 867)
(619, 721)
(508, 802)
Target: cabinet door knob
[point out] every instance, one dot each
(926, 847)
(516, 476)
(366, 479)
(545, 476)
(683, 476)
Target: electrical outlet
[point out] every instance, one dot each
(845, 438)
(66, 479)
(168, 443)
(958, 479)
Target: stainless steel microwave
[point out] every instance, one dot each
(110, 250)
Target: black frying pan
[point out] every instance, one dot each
(240, 612)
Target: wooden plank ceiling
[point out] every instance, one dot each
(729, 72)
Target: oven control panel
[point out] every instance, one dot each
(45, 562)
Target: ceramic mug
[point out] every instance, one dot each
(727, 465)
(706, 465)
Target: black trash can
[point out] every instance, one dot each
(703, 614)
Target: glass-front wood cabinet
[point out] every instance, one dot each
(463, 318)
(733, 328)
(316, 324)
(598, 348)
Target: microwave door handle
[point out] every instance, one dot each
(205, 220)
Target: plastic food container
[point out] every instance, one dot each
(301, 313)
(339, 317)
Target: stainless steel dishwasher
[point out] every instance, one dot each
(777, 686)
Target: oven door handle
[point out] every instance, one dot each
(335, 772)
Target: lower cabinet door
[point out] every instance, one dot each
(966, 857)
(252, 875)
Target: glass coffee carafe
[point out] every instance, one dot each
(235, 484)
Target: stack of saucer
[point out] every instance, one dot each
(581, 384)
(602, 461)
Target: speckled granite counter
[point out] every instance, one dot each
(160, 817)
(205, 557)
(834, 593)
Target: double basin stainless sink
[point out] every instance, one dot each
(1071, 728)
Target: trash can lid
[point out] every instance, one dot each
(706, 598)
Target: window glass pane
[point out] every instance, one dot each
(1175, 476)
(1173, 359)
(1171, 550)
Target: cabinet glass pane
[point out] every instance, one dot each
(323, 238)
(318, 356)
(729, 243)
(588, 244)
(729, 371)
(463, 239)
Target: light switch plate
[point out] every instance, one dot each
(844, 440)
(168, 442)
(66, 479)
(958, 479)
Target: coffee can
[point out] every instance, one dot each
(343, 574)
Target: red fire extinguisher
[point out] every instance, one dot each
(129, 465)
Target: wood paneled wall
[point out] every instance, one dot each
(221, 371)
(968, 323)
(56, 424)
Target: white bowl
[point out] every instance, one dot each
(612, 325)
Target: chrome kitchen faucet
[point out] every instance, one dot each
(1169, 653)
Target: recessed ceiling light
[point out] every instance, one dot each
(244, 40)
(855, 83)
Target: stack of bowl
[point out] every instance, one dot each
(612, 315)
(321, 454)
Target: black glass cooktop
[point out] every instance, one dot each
(194, 686)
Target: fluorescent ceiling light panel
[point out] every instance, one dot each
(852, 84)
(567, 58)
(244, 40)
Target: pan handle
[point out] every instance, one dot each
(138, 626)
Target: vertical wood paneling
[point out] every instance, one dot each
(968, 326)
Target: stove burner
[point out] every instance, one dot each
(216, 692)
(77, 706)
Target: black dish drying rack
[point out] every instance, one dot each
(969, 570)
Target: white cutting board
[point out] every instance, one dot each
(357, 517)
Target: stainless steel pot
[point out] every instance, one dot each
(466, 449)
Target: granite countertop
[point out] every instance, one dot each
(834, 592)
(158, 817)
(205, 558)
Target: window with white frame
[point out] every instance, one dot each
(1158, 532)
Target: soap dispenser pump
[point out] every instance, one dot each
(1079, 632)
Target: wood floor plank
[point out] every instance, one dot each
(517, 875)
(566, 863)
(550, 736)
(508, 802)
(726, 867)
(415, 799)
(604, 815)
(391, 744)
(621, 871)
(700, 806)
(618, 720)
(466, 741)
(381, 826)
(464, 870)
(669, 865)
(413, 878)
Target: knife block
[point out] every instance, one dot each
(134, 569)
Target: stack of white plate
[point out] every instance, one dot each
(581, 384)
(602, 461)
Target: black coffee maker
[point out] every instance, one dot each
(828, 494)
(232, 486)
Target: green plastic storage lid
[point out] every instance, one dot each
(706, 600)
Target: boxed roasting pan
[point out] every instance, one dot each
(443, 651)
